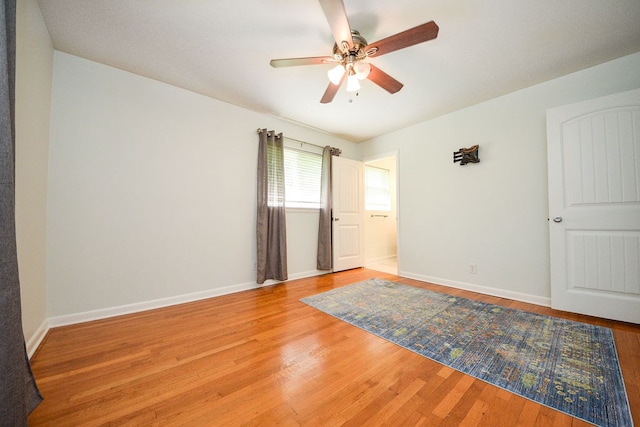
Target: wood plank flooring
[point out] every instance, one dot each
(262, 357)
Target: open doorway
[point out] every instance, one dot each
(381, 213)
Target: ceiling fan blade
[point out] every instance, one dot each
(337, 16)
(410, 37)
(384, 80)
(331, 91)
(292, 62)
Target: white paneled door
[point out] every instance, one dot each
(348, 209)
(594, 206)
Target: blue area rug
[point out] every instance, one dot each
(569, 366)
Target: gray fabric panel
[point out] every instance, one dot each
(325, 258)
(271, 236)
(18, 392)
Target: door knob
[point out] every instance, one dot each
(336, 219)
(557, 219)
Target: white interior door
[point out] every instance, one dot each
(594, 206)
(348, 209)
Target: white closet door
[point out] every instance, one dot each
(594, 206)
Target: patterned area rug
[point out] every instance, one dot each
(569, 366)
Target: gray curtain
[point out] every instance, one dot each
(271, 222)
(19, 394)
(325, 258)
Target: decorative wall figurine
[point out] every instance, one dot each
(466, 155)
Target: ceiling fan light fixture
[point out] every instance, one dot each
(335, 74)
(362, 69)
(353, 85)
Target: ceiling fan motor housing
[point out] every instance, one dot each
(349, 55)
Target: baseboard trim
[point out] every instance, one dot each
(310, 273)
(496, 292)
(87, 316)
(37, 338)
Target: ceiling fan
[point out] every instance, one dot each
(351, 49)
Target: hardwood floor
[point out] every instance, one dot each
(262, 357)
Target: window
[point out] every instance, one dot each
(377, 196)
(302, 171)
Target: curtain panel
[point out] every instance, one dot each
(325, 255)
(19, 394)
(271, 214)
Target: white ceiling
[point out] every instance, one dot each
(222, 49)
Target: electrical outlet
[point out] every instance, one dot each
(473, 268)
(255, 266)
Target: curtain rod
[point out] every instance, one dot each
(296, 140)
(303, 142)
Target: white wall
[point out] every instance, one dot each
(152, 192)
(34, 65)
(493, 214)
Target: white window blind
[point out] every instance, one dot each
(377, 189)
(302, 171)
